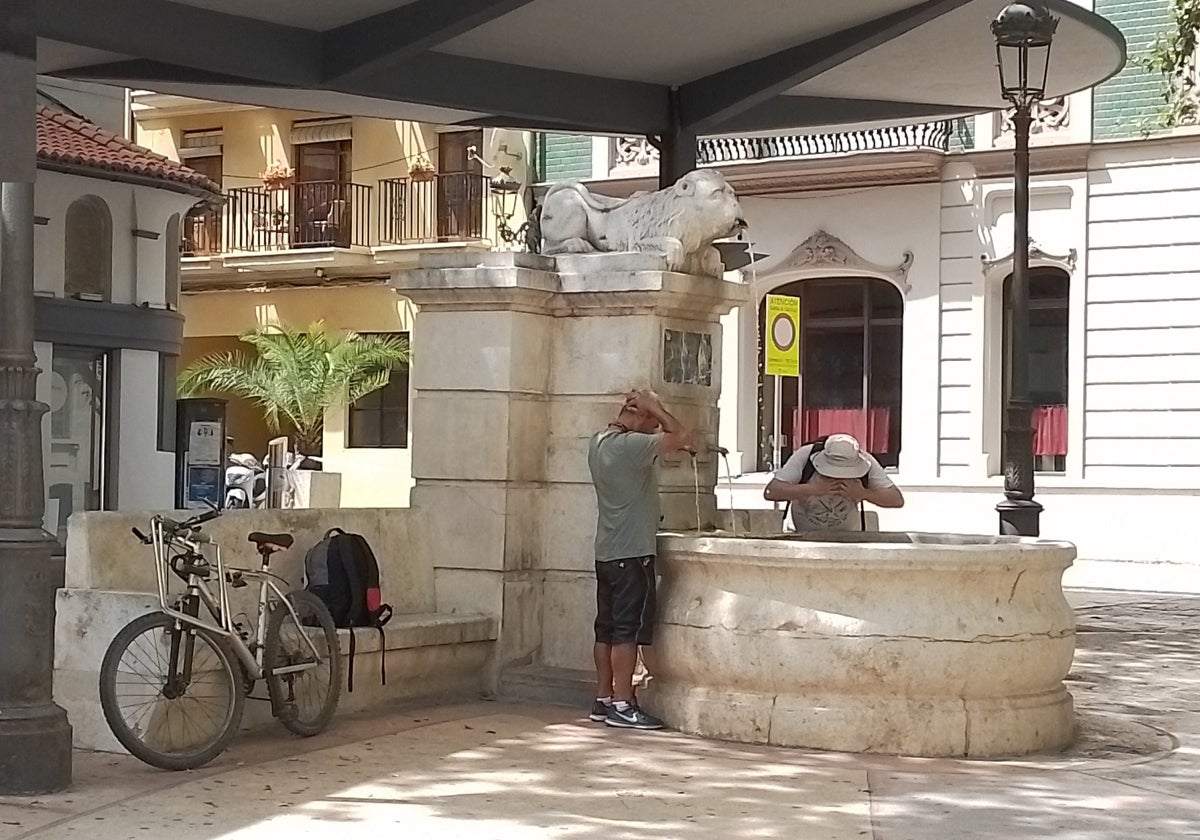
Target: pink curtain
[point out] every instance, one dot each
(1050, 430)
(870, 427)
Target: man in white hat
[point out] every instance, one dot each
(825, 481)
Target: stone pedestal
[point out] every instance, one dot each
(518, 360)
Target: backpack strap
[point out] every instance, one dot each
(382, 617)
(350, 667)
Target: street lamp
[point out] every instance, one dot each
(1023, 36)
(505, 192)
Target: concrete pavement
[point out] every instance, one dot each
(495, 771)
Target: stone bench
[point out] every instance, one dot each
(431, 650)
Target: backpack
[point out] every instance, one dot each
(342, 571)
(810, 470)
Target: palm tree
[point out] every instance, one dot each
(298, 375)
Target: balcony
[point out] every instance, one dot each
(448, 207)
(313, 214)
(934, 136)
(636, 157)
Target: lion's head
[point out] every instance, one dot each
(717, 212)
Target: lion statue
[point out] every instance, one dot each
(681, 221)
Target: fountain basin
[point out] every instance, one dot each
(900, 643)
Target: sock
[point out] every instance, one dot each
(607, 701)
(621, 705)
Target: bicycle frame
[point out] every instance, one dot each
(218, 605)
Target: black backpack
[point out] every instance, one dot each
(342, 571)
(810, 469)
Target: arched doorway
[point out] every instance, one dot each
(851, 364)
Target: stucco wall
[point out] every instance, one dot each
(371, 477)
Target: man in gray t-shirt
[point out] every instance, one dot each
(623, 462)
(825, 488)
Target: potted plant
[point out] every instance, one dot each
(422, 169)
(277, 176)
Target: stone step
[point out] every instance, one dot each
(542, 684)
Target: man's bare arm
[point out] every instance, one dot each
(676, 437)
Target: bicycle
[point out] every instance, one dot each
(173, 684)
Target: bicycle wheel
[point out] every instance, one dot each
(304, 700)
(159, 717)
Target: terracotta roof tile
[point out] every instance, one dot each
(69, 140)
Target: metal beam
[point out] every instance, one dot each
(564, 101)
(707, 103)
(521, 93)
(812, 111)
(378, 43)
(188, 36)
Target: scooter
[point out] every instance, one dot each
(245, 482)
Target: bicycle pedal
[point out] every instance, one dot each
(287, 711)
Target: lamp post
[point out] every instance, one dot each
(505, 191)
(1023, 36)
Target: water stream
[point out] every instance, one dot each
(696, 481)
(729, 483)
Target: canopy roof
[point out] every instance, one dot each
(607, 66)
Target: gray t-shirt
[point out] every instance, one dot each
(831, 512)
(625, 475)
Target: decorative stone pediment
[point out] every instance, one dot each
(1037, 255)
(823, 250)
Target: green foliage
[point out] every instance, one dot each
(298, 375)
(1173, 57)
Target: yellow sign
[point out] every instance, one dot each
(783, 335)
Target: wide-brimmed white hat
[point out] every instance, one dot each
(842, 458)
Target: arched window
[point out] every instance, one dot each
(88, 272)
(851, 349)
(174, 248)
(1049, 315)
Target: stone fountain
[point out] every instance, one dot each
(919, 644)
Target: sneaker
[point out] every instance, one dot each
(599, 711)
(631, 717)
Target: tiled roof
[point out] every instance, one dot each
(68, 140)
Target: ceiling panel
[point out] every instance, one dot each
(662, 41)
(314, 14)
(953, 60)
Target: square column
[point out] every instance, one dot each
(519, 359)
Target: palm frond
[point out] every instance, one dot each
(300, 374)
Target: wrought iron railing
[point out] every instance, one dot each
(935, 135)
(202, 233)
(309, 214)
(448, 207)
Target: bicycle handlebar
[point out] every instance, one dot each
(173, 527)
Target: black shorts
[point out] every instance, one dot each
(625, 601)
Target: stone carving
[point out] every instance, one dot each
(1037, 254)
(681, 221)
(687, 357)
(1044, 117)
(824, 250)
(633, 152)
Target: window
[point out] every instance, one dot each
(380, 419)
(88, 274)
(461, 186)
(202, 227)
(168, 376)
(851, 348)
(172, 247)
(1049, 311)
(323, 194)
(77, 470)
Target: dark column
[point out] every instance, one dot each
(676, 148)
(1019, 513)
(35, 738)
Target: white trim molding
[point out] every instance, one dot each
(824, 254)
(1039, 257)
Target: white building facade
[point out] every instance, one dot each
(107, 327)
(898, 243)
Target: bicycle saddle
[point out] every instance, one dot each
(279, 541)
